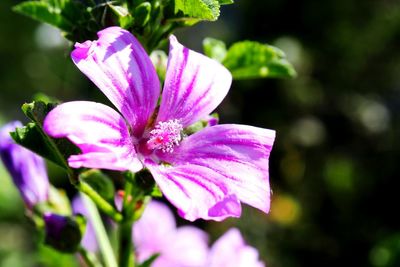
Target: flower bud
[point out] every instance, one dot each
(63, 233)
(27, 170)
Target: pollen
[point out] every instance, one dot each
(165, 136)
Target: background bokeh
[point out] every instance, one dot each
(335, 164)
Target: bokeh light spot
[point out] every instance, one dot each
(285, 209)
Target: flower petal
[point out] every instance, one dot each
(194, 85)
(155, 232)
(231, 250)
(197, 191)
(150, 230)
(27, 169)
(98, 130)
(89, 240)
(121, 68)
(188, 246)
(237, 153)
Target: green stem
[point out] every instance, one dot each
(126, 255)
(89, 258)
(105, 207)
(100, 232)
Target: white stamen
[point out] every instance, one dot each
(165, 136)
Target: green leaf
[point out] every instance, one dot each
(30, 136)
(225, 2)
(142, 14)
(37, 110)
(49, 257)
(87, 19)
(198, 9)
(247, 60)
(148, 262)
(124, 18)
(156, 191)
(214, 48)
(44, 12)
(33, 137)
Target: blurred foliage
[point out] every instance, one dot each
(334, 168)
(151, 21)
(249, 59)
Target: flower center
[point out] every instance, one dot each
(165, 136)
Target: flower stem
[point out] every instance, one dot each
(126, 255)
(101, 203)
(89, 258)
(101, 234)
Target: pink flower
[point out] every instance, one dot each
(89, 241)
(205, 175)
(186, 246)
(231, 250)
(156, 233)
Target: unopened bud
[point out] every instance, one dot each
(64, 233)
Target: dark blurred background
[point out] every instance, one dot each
(334, 167)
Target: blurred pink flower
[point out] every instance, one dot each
(231, 250)
(186, 246)
(205, 175)
(89, 240)
(156, 232)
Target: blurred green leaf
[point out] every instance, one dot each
(214, 48)
(156, 191)
(386, 252)
(148, 262)
(225, 2)
(124, 18)
(58, 201)
(199, 9)
(142, 14)
(247, 60)
(44, 12)
(52, 258)
(159, 59)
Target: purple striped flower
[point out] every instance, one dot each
(27, 170)
(205, 175)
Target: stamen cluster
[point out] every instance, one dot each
(165, 136)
